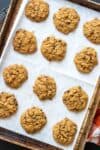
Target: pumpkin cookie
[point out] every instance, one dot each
(45, 87)
(15, 75)
(66, 20)
(37, 10)
(33, 120)
(91, 30)
(53, 49)
(8, 105)
(86, 60)
(24, 42)
(64, 131)
(75, 98)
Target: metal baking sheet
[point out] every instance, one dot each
(63, 72)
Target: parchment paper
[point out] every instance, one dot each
(64, 73)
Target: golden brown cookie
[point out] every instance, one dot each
(37, 10)
(91, 30)
(45, 87)
(15, 75)
(64, 131)
(75, 99)
(33, 120)
(8, 105)
(66, 20)
(24, 42)
(53, 49)
(86, 60)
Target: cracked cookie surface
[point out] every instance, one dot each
(8, 104)
(33, 120)
(75, 99)
(91, 30)
(45, 87)
(66, 20)
(53, 49)
(86, 60)
(15, 75)
(37, 10)
(24, 42)
(64, 131)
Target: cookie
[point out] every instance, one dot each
(8, 105)
(37, 10)
(15, 75)
(45, 87)
(86, 60)
(24, 42)
(91, 30)
(66, 20)
(53, 49)
(64, 131)
(33, 120)
(75, 99)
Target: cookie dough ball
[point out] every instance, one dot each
(37, 10)
(53, 49)
(33, 120)
(86, 60)
(75, 99)
(8, 105)
(64, 131)
(45, 87)
(24, 42)
(15, 75)
(91, 30)
(66, 20)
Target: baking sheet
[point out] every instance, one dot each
(64, 72)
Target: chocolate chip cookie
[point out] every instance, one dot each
(8, 104)
(33, 120)
(64, 131)
(75, 99)
(15, 75)
(91, 30)
(37, 10)
(45, 87)
(24, 42)
(86, 60)
(66, 20)
(53, 49)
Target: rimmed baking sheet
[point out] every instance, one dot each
(64, 72)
